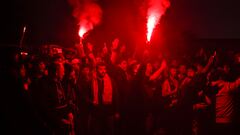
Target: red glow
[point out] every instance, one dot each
(82, 31)
(24, 29)
(24, 53)
(150, 26)
(87, 13)
(155, 11)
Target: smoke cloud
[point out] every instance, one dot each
(88, 14)
(156, 8)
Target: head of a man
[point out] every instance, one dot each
(191, 72)
(75, 64)
(86, 70)
(182, 69)
(173, 71)
(149, 69)
(122, 63)
(101, 70)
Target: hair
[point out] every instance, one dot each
(192, 67)
(120, 60)
(86, 66)
(101, 64)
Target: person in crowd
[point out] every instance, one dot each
(182, 70)
(226, 106)
(105, 103)
(103, 90)
(51, 101)
(170, 89)
(188, 95)
(85, 98)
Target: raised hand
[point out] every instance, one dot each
(89, 47)
(105, 49)
(115, 43)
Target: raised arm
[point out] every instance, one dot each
(234, 85)
(80, 50)
(90, 54)
(156, 74)
(231, 86)
(210, 62)
(115, 44)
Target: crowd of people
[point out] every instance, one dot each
(111, 93)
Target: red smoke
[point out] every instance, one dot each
(87, 13)
(154, 13)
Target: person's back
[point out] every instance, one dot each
(225, 106)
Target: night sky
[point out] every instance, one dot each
(51, 20)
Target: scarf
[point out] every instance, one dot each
(107, 91)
